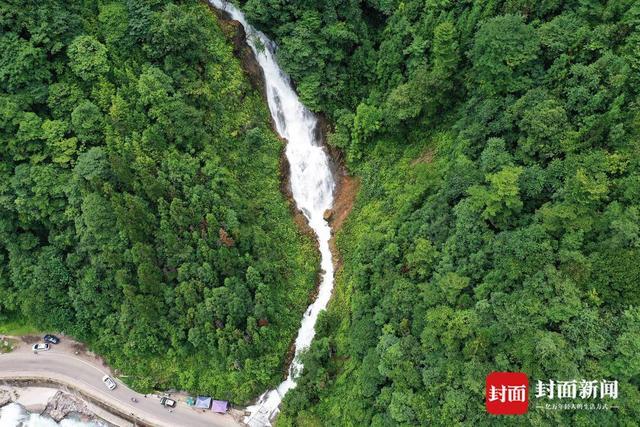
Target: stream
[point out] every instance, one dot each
(312, 186)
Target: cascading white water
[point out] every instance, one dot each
(312, 185)
(14, 415)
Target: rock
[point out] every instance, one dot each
(235, 32)
(328, 215)
(63, 404)
(5, 397)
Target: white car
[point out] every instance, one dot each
(40, 347)
(109, 382)
(165, 401)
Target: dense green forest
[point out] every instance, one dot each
(497, 227)
(140, 208)
(498, 223)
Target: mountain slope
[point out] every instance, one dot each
(497, 224)
(140, 209)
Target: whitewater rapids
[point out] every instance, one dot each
(312, 186)
(14, 415)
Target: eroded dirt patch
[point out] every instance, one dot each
(345, 197)
(426, 156)
(30, 339)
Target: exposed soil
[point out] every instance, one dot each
(345, 197)
(31, 339)
(426, 156)
(346, 192)
(79, 348)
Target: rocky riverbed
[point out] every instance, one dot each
(44, 406)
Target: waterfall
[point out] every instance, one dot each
(312, 185)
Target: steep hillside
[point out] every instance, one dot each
(140, 208)
(496, 228)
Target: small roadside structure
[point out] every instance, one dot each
(191, 401)
(203, 402)
(219, 406)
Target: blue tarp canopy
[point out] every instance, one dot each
(203, 402)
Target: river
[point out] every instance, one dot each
(14, 415)
(312, 186)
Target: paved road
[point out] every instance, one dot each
(85, 374)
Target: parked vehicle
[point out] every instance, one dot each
(51, 339)
(169, 403)
(109, 382)
(40, 347)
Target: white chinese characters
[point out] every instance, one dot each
(573, 389)
(509, 393)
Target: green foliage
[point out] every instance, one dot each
(140, 209)
(87, 57)
(504, 56)
(497, 224)
(86, 120)
(500, 200)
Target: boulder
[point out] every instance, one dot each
(63, 404)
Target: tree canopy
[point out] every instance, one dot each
(141, 210)
(496, 226)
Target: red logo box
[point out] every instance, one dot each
(507, 393)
